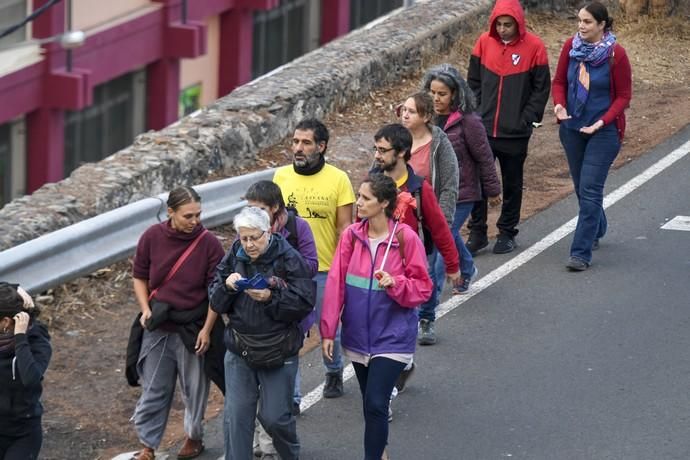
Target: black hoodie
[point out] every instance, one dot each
(21, 377)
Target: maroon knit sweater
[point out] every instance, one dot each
(157, 251)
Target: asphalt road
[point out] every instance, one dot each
(549, 364)
(543, 363)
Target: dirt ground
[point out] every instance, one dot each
(87, 400)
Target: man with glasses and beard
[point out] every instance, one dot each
(392, 145)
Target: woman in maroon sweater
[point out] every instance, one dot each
(591, 90)
(170, 308)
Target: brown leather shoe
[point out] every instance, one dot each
(190, 449)
(145, 454)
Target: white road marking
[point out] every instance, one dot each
(681, 223)
(530, 253)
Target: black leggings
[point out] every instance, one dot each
(24, 447)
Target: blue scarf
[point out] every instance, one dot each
(588, 54)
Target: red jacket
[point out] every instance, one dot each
(511, 81)
(433, 221)
(621, 84)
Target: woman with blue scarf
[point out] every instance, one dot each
(591, 89)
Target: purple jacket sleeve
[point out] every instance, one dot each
(307, 245)
(480, 151)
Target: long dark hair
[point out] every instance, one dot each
(383, 188)
(463, 97)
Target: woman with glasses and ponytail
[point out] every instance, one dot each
(24, 356)
(591, 90)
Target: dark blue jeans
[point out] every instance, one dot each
(462, 212)
(376, 382)
(589, 159)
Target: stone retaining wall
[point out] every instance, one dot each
(255, 116)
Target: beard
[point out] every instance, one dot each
(308, 160)
(387, 166)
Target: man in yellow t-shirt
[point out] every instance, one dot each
(323, 196)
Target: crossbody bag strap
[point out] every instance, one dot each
(179, 262)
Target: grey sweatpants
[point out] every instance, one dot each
(162, 360)
(272, 389)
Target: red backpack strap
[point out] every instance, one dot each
(179, 262)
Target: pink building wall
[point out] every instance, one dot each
(156, 39)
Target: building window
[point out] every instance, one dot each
(117, 115)
(190, 100)
(364, 11)
(12, 160)
(281, 35)
(11, 13)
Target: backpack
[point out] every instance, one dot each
(423, 233)
(291, 226)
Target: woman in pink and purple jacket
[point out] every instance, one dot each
(375, 299)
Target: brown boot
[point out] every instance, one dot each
(190, 449)
(145, 454)
(385, 455)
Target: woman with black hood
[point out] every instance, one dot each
(24, 356)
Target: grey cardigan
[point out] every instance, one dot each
(445, 172)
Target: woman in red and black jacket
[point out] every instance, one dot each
(591, 90)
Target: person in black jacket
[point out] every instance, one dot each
(24, 355)
(264, 286)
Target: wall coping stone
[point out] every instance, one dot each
(231, 131)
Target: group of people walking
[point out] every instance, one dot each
(382, 255)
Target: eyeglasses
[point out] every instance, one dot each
(381, 150)
(252, 239)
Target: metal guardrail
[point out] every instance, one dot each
(86, 246)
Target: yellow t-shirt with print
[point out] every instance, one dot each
(316, 199)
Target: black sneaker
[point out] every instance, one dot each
(296, 409)
(504, 244)
(576, 264)
(403, 377)
(426, 334)
(476, 243)
(595, 245)
(333, 388)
